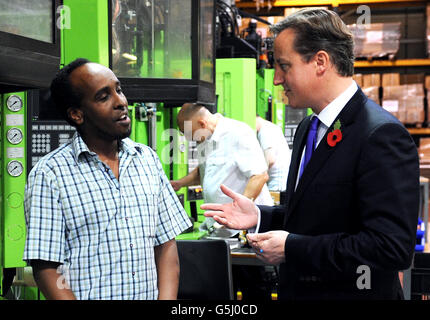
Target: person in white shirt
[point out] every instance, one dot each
(276, 151)
(228, 153)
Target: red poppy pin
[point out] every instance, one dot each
(335, 136)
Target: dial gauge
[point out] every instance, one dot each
(15, 168)
(14, 103)
(14, 135)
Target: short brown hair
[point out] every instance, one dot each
(321, 29)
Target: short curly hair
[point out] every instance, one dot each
(63, 94)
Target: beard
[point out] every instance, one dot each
(125, 134)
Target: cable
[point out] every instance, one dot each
(250, 15)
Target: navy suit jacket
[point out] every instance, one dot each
(356, 204)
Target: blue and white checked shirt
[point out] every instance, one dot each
(102, 230)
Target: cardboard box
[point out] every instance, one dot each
(372, 93)
(427, 82)
(390, 79)
(371, 80)
(414, 107)
(358, 77)
(428, 106)
(412, 78)
(406, 102)
(424, 150)
(401, 91)
(376, 39)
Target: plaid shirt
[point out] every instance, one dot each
(102, 230)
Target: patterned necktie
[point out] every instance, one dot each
(311, 143)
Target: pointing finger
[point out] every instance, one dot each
(211, 206)
(228, 192)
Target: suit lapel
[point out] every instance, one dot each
(322, 153)
(298, 145)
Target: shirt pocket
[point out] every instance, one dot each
(142, 202)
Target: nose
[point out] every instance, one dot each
(120, 101)
(277, 78)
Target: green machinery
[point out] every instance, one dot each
(269, 98)
(236, 89)
(13, 176)
(87, 35)
(242, 92)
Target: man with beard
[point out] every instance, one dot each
(101, 215)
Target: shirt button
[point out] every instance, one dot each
(133, 273)
(131, 245)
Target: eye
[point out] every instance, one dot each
(104, 97)
(284, 67)
(119, 90)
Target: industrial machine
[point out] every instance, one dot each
(164, 52)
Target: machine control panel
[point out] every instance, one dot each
(46, 136)
(46, 129)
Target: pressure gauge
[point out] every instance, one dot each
(14, 103)
(14, 135)
(15, 168)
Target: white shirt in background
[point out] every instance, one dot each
(230, 157)
(271, 136)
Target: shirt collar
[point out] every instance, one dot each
(332, 110)
(79, 146)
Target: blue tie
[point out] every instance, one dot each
(311, 143)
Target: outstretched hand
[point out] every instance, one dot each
(239, 214)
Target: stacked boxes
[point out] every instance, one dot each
(427, 87)
(402, 95)
(376, 39)
(405, 101)
(370, 85)
(424, 151)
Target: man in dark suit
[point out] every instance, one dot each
(349, 223)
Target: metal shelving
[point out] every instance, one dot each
(307, 3)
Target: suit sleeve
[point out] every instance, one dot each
(387, 199)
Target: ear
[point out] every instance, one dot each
(322, 62)
(202, 123)
(76, 115)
